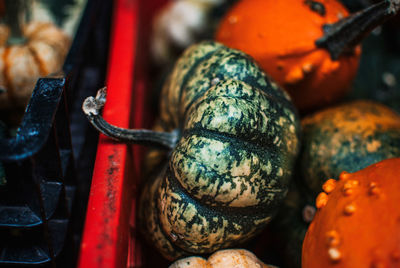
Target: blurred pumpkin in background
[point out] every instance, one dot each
(28, 50)
(181, 23)
(22, 64)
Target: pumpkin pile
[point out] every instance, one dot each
(181, 23)
(252, 125)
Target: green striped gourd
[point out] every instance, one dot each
(237, 137)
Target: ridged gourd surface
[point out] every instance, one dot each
(232, 164)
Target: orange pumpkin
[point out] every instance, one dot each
(281, 36)
(357, 223)
(22, 64)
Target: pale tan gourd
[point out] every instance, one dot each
(233, 258)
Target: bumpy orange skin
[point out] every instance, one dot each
(358, 220)
(281, 36)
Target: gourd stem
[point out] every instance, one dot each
(92, 106)
(15, 17)
(342, 36)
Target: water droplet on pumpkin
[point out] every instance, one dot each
(334, 254)
(332, 238)
(321, 200)
(329, 186)
(349, 209)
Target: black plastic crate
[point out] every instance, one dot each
(48, 164)
(35, 202)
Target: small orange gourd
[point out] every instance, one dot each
(27, 52)
(309, 47)
(357, 223)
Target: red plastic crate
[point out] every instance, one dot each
(109, 236)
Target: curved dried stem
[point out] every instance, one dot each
(92, 107)
(342, 36)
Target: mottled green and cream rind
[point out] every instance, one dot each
(234, 159)
(149, 217)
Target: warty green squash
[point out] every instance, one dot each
(347, 137)
(232, 136)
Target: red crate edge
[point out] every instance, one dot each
(106, 233)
